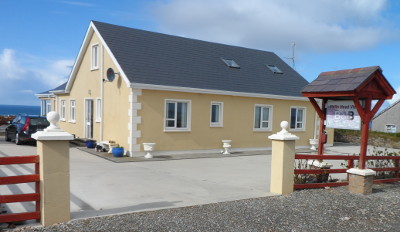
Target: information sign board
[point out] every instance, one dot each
(342, 115)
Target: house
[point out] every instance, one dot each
(48, 99)
(134, 86)
(388, 120)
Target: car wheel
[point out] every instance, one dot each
(6, 137)
(17, 140)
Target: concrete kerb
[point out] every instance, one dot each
(156, 157)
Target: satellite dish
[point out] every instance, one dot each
(110, 74)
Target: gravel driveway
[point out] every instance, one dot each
(333, 209)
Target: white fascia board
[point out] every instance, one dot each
(211, 91)
(58, 92)
(79, 58)
(121, 72)
(43, 95)
(90, 31)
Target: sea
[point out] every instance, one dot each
(19, 109)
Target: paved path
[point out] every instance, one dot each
(100, 187)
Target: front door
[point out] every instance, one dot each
(88, 118)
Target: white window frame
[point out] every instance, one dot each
(391, 125)
(95, 50)
(72, 111)
(63, 109)
(220, 122)
(304, 118)
(189, 115)
(45, 107)
(98, 109)
(48, 106)
(269, 128)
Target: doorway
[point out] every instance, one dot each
(89, 118)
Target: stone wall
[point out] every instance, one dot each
(373, 140)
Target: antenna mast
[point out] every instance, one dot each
(293, 58)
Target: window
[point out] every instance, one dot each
(262, 117)
(98, 110)
(62, 110)
(216, 114)
(177, 115)
(390, 128)
(72, 110)
(297, 118)
(230, 63)
(45, 107)
(95, 56)
(274, 69)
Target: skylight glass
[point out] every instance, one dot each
(274, 69)
(230, 63)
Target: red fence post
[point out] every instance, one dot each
(350, 164)
(397, 165)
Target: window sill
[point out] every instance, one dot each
(98, 121)
(261, 130)
(72, 121)
(216, 125)
(94, 69)
(176, 130)
(62, 119)
(297, 130)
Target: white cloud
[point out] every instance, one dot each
(315, 25)
(27, 91)
(77, 3)
(396, 97)
(23, 75)
(10, 69)
(55, 73)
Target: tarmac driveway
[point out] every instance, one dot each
(100, 187)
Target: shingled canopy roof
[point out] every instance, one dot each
(357, 84)
(361, 82)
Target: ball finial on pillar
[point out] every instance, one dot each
(53, 117)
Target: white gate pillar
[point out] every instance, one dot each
(53, 151)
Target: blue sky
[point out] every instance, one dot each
(40, 39)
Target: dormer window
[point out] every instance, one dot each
(230, 63)
(95, 56)
(274, 69)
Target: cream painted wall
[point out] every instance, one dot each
(87, 85)
(237, 122)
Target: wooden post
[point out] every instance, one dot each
(322, 117)
(364, 133)
(322, 128)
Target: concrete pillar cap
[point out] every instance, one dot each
(53, 132)
(283, 134)
(361, 172)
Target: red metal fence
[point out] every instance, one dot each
(350, 163)
(13, 217)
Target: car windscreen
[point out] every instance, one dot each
(39, 122)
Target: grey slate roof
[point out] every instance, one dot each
(340, 81)
(58, 88)
(160, 59)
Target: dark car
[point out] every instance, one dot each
(23, 126)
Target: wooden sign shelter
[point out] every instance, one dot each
(361, 85)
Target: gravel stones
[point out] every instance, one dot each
(333, 209)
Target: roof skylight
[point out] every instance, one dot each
(274, 69)
(230, 63)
